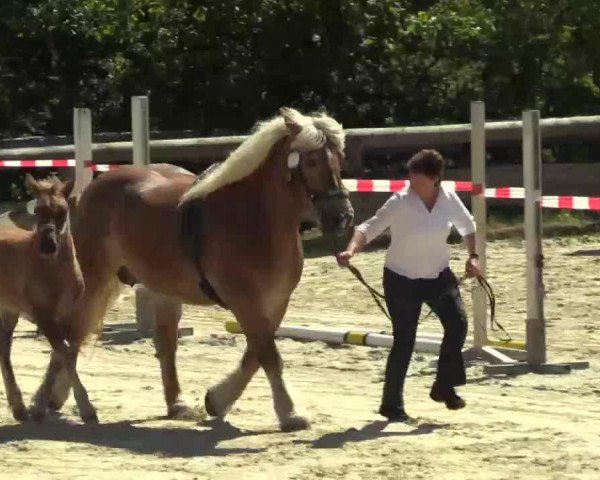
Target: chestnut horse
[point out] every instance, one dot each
(230, 237)
(41, 280)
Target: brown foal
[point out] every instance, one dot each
(40, 279)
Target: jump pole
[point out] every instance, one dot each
(425, 343)
(535, 322)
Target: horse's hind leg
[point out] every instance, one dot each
(8, 322)
(271, 361)
(168, 314)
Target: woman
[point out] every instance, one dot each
(417, 271)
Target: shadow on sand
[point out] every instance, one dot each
(584, 253)
(174, 442)
(370, 431)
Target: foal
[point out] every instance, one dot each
(40, 279)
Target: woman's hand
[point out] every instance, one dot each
(472, 268)
(343, 258)
(355, 245)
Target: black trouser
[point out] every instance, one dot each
(404, 298)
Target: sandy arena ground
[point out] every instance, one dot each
(530, 427)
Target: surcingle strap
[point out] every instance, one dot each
(191, 235)
(210, 292)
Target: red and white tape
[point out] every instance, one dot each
(54, 163)
(571, 203)
(566, 202)
(58, 163)
(362, 185)
(367, 185)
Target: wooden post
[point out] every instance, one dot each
(532, 179)
(140, 130)
(536, 324)
(82, 136)
(478, 206)
(145, 311)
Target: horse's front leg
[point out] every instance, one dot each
(271, 362)
(261, 351)
(8, 322)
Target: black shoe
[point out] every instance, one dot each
(393, 414)
(448, 396)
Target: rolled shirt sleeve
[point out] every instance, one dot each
(460, 217)
(383, 218)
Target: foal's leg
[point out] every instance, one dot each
(101, 288)
(168, 314)
(8, 322)
(63, 363)
(221, 397)
(87, 412)
(63, 358)
(39, 404)
(61, 390)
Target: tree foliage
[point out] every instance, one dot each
(218, 66)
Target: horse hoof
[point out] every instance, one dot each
(180, 411)
(20, 414)
(90, 418)
(294, 424)
(55, 405)
(211, 408)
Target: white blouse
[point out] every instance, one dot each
(419, 247)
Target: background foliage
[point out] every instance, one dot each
(218, 66)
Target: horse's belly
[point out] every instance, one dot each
(159, 264)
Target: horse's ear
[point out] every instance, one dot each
(67, 188)
(31, 184)
(292, 119)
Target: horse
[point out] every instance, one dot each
(41, 280)
(229, 237)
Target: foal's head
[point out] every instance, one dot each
(51, 211)
(318, 152)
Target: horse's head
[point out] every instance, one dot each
(51, 211)
(317, 150)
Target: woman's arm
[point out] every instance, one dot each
(370, 229)
(470, 242)
(462, 219)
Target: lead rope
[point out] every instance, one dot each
(378, 296)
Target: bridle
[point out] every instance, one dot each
(294, 161)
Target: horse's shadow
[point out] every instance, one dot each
(370, 431)
(584, 253)
(174, 442)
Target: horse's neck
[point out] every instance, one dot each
(281, 195)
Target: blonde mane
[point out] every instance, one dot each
(254, 150)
